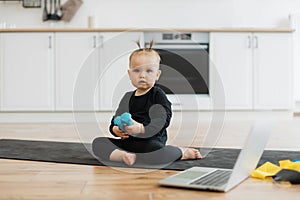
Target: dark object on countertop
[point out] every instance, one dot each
(291, 176)
(52, 10)
(45, 11)
(32, 3)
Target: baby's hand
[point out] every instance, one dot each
(122, 120)
(119, 132)
(136, 128)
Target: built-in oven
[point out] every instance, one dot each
(184, 66)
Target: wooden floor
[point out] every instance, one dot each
(41, 180)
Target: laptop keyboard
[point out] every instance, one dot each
(216, 178)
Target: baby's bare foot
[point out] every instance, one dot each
(129, 158)
(191, 153)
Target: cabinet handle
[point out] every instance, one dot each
(249, 42)
(94, 41)
(101, 41)
(50, 42)
(255, 42)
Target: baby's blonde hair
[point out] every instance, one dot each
(146, 50)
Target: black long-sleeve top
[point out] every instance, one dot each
(152, 109)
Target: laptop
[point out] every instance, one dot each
(222, 180)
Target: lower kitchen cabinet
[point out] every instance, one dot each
(273, 67)
(91, 69)
(76, 68)
(232, 60)
(114, 58)
(64, 71)
(50, 71)
(255, 69)
(27, 78)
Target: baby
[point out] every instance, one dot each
(151, 112)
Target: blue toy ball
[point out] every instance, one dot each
(125, 118)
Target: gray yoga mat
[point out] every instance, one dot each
(76, 153)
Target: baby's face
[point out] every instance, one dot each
(144, 71)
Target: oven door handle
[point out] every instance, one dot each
(186, 46)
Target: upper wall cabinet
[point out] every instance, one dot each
(26, 72)
(255, 68)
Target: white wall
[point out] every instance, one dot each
(166, 14)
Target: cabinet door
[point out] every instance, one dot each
(27, 72)
(273, 71)
(231, 57)
(75, 66)
(114, 80)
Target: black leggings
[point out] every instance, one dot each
(147, 151)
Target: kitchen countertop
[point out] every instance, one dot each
(279, 30)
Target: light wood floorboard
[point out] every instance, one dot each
(42, 180)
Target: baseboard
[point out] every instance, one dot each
(70, 117)
(53, 117)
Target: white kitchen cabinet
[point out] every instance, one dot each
(255, 69)
(273, 78)
(115, 49)
(231, 56)
(64, 71)
(26, 72)
(76, 69)
(91, 69)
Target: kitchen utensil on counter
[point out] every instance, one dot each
(54, 13)
(58, 9)
(69, 9)
(45, 11)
